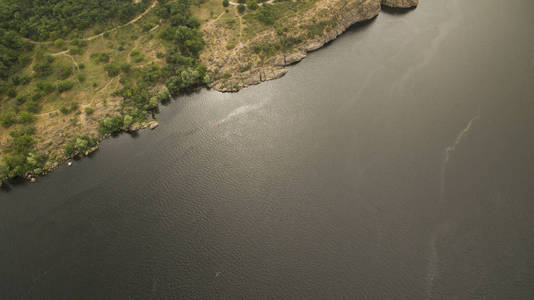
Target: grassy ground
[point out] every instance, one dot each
(77, 111)
(240, 42)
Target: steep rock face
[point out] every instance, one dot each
(343, 16)
(350, 13)
(400, 3)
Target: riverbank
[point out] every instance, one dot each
(248, 54)
(242, 49)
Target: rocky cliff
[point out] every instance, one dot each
(233, 69)
(400, 3)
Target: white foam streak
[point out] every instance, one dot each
(450, 150)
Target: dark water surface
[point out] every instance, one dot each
(397, 163)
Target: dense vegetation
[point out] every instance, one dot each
(42, 20)
(182, 73)
(30, 28)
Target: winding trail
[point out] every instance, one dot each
(139, 17)
(237, 4)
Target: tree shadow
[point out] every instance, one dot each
(354, 28)
(396, 11)
(361, 26)
(12, 184)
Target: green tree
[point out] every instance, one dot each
(252, 4)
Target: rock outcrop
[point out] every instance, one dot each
(400, 3)
(343, 16)
(242, 68)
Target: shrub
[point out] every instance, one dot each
(252, 4)
(125, 68)
(64, 110)
(11, 93)
(45, 87)
(59, 43)
(64, 85)
(112, 70)
(79, 145)
(225, 3)
(42, 69)
(20, 100)
(241, 8)
(267, 15)
(127, 121)
(89, 110)
(100, 57)
(81, 77)
(64, 71)
(74, 106)
(110, 125)
(26, 117)
(19, 158)
(15, 79)
(33, 106)
(25, 79)
(75, 50)
(7, 119)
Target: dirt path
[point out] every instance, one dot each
(83, 106)
(66, 53)
(237, 4)
(139, 17)
(124, 25)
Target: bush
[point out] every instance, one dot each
(266, 14)
(59, 43)
(15, 79)
(127, 121)
(75, 50)
(79, 145)
(64, 85)
(20, 100)
(26, 117)
(33, 106)
(81, 77)
(241, 8)
(225, 3)
(25, 79)
(42, 69)
(74, 106)
(45, 87)
(112, 70)
(125, 68)
(100, 57)
(89, 110)
(19, 157)
(252, 4)
(11, 93)
(7, 119)
(110, 125)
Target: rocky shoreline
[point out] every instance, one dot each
(342, 15)
(348, 14)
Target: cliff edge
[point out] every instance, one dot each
(242, 50)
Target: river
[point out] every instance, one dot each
(395, 163)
